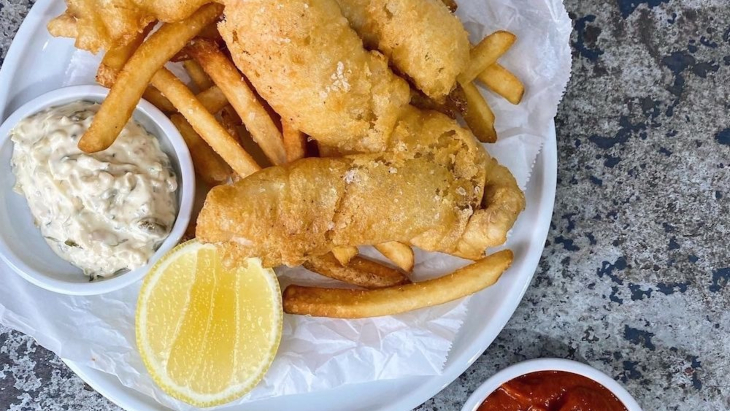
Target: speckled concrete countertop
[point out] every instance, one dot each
(634, 276)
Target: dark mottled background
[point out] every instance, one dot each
(634, 277)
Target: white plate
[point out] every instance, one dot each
(36, 63)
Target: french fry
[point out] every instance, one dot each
(63, 26)
(211, 32)
(347, 303)
(158, 100)
(208, 165)
(181, 56)
(360, 271)
(212, 99)
(204, 123)
(478, 116)
(252, 148)
(132, 81)
(344, 254)
(486, 53)
(105, 77)
(114, 61)
(151, 94)
(232, 115)
(367, 265)
(295, 142)
(503, 82)
(257, 120)
(197, 74)
(400, 254)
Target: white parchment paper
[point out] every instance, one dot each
(315, 353)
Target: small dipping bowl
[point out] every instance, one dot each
(548, 364)
(23, 247)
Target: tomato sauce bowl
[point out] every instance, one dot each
(571, 386)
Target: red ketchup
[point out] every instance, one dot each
(552, 391)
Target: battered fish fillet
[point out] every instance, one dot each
(310, 66)
(422, 38)
(105, 24)
(427, 190)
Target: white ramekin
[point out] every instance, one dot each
(21, 245)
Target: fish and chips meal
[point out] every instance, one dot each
(320, 126)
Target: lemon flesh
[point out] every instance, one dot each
(208, 334)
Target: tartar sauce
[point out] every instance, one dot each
(105, 212)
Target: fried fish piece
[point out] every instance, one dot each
(422, 38)
(107, 24)
(287, 214)
(310, 66)
(425, 191)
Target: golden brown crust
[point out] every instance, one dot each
(420, 37)
(288, 213)
(63, 26)
(280, 214)
(502, 204)
(305, 60)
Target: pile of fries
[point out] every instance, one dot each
(232, 132)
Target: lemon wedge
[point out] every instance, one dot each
(208, 334)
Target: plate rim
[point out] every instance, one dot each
(456, 364)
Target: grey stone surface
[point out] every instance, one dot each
(634, 277)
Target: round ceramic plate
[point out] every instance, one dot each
(36, 63)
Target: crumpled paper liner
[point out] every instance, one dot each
(317, 353)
